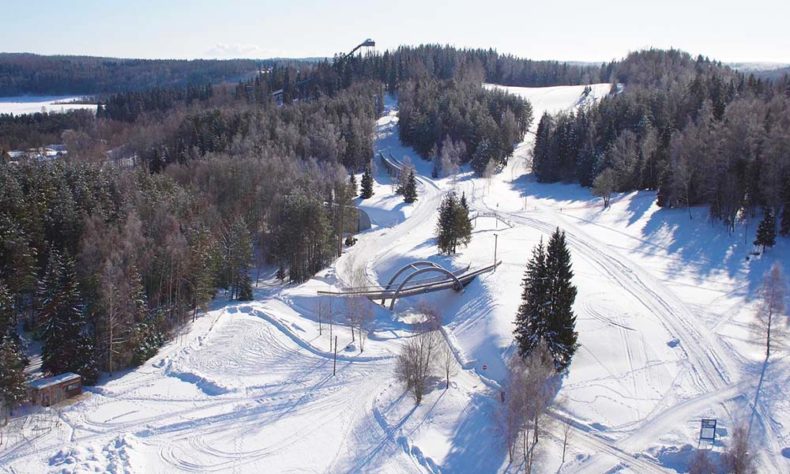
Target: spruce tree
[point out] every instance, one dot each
(562, 336)
(531, 320)
(445, 238)
(245, 292)
(784, 225)
(410, 189)
(462, 225)
(367, 184)
(352, 185)
(766, 231)
(13, 389)
(7, 319)
(67, 345)
(454, 226)
(546, 311)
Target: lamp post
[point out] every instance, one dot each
(496, 238)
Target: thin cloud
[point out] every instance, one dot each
(239, 50)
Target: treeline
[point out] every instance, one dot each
(696, 131)
(300, 80)
(41, 128)
(487, 122)
(23, 73)
(446, 62)
(336, 129)
(128, 106)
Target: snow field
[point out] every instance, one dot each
(34, 104)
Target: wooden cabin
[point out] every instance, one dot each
(51, 390)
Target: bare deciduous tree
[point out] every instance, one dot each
(527, 398)
(701, 463)
(566, 435)
(446, 362)
(738, 458)
(359, 310)
(540, 369)
(772, 306)
(324, 314)
(513, 411)
(604, 185)
(415, 362)
(432, 319)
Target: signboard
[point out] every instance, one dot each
(707, 429)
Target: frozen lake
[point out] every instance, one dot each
(32, 104)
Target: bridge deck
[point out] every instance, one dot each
(419, 287)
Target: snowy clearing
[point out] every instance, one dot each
(32, 104)
(662, 314)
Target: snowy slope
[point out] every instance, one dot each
(662, 320)
(33, 104)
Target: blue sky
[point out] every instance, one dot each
(550, 29)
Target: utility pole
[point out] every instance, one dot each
(334, 365)
(496, 238)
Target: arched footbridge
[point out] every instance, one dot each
(415, 278)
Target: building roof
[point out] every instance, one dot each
(54, 380)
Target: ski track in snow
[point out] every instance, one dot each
(249, 386)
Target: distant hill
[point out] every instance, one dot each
(24, 73)
(770, 71)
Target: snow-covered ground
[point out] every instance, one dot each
(663, 309)
(31, 104)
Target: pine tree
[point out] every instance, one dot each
(13, 389)
(562, 340)
(367, 184)
(410, 189)
(766, 231)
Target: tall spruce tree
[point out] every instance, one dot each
(546, 312)
(245, 291)
(352, 185)
(562, 335)
(13, 387)
(454, 226)
(766, 230)
(410, 189)
(784, 225)
(7, 319)
(367, 184)
(444, 227)
(531, 320)
(67, 342)
(462, 225)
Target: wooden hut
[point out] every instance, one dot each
(51, 390)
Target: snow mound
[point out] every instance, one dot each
(115, 457)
